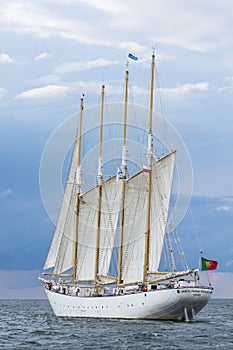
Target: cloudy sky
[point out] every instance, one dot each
(52, 51)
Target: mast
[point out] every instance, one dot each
(100, 180)
(123, 177)
(149, 164)
(79, 183)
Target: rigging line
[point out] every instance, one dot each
(197, 237)
(141, 140)
(169, 247)
(161, 98)
(110, 218)
(107, 114)
(170, 250)
(142, 96)
(160, 95)
(107, 125)
(165, 257)
(142, 101)
(108, 130)
(177, 240)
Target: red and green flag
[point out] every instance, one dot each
(208, 264)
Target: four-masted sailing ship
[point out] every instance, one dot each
(132, 211)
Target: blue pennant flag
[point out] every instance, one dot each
(135, 58)
(119, 174)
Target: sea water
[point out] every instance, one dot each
(31, 324)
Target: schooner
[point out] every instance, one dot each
(132, 211)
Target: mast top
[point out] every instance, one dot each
(151, 91)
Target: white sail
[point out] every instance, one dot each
(86, 235)
(162, 175)
(135, 218)
(87, 229)
(60, 254)
(64, 260)
(134, 228)
(109, 215)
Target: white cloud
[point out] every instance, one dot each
(225, 88)
(132, 46)
(82, 66)
(224, 208)
(113, 6)
(138, 90)
(2, 93)
(49, 91)
(42, 56)
(5, 58)
(46, 22)
(191, 24)
(186, 88)
(49, 79)
(228, 87)
(5, 193)
(94, 87)
(165, 57)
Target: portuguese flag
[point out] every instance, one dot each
(208, 264)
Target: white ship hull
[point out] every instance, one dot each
(170, 304)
